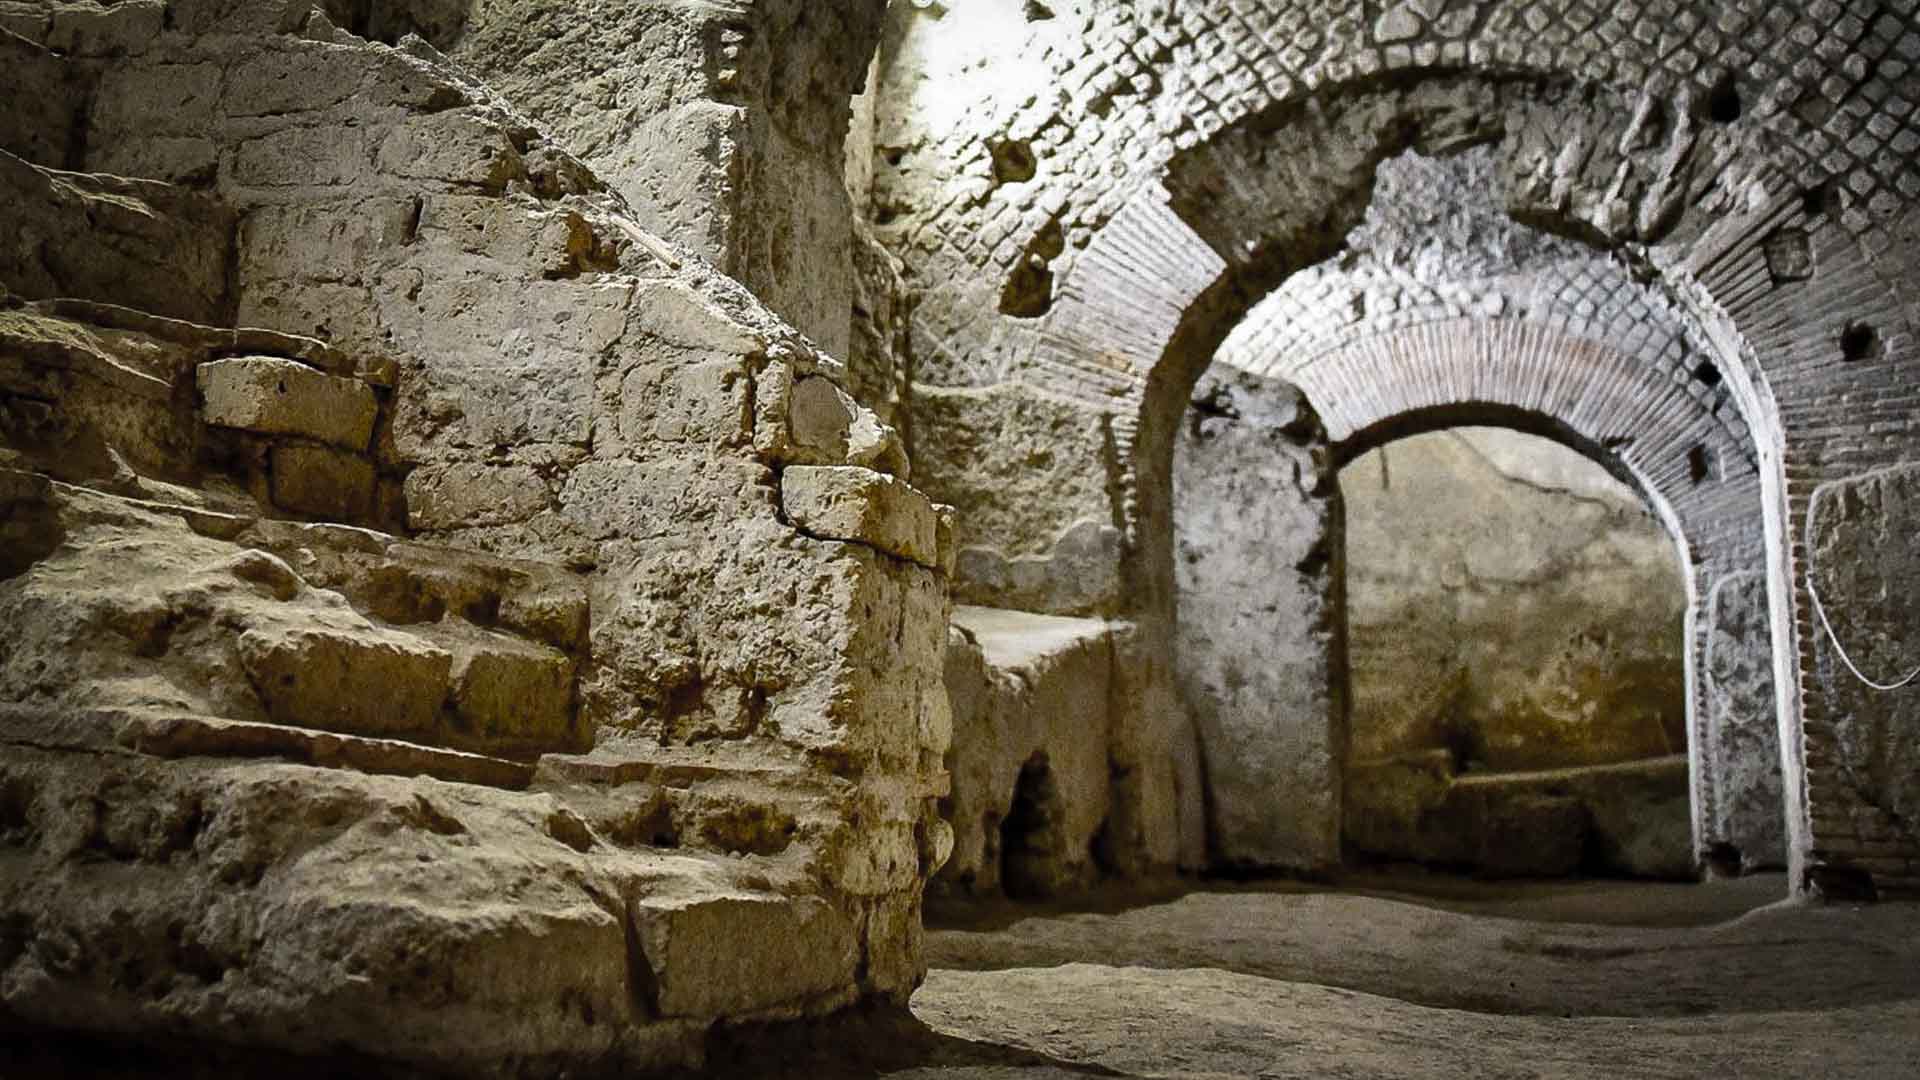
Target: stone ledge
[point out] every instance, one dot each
(846, 502)
(604, 768)
(178, 736)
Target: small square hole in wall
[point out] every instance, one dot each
(1859, 341)
(1013, 161)
(1789, 255)
(1707, 373)
(1723, 100)
(1700, 464)
(1818, 200)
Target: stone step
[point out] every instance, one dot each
(151, 245)
(186, 735)
(676, 767)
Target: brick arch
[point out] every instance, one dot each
(1637, 417)
(1634, 418)
(1591, 299)
(1773, 280)
(1138, 83)
(1146, 307)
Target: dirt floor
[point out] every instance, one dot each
(1413, 975)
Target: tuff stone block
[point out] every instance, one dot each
(322, 483)
(270, 396)
(359, 681)
(850, 503)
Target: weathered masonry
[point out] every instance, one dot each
(534, 533)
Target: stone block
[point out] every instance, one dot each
(510, 690)
(730, 955)
(1031, 702)
(1392, 809)
(699, 402)
(1256, 653)
(1742, 751)
(820, 415)
(863, 506)
(46, 97)
(1639, 815)
(322, 483)
(91, 29)
(358, 681)
(1863, 567)
(946, 527)
(463, 494)
(176, 736)
(280, 397)
(157, 247)
(1528, 835)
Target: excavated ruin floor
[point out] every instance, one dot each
(1389, 976)
(1423, 976)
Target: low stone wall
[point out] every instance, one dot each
(1033, 710)
(1628, 818)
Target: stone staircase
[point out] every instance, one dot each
(288, 763)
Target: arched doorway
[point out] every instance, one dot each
(1516, 662)
(1226, 227)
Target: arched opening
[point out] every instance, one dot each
(1430, 318)
(1262, 237)
(1516, 660)
(1031, 835)
(1172, 251)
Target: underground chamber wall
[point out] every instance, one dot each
(1516, 656)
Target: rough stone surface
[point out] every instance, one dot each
(1417, 986)
(279, 397)
(850, 503)
(1740, 169)
(1510, 601)
(1257, 524)
(1623, 819)
(1011, 466)
(1744, 725)
(1034, 699)
(575, 620)
(1859, 542)
(1079, 575)
(493, 757)
(149, 245)
(725, 129)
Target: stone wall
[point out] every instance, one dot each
(1858, 548)
(1742, 733)
(1512, 603)
(1628, 819)
(1035, 703)
(559, 614)
(1034, 526)
(722, 126)
(1259, 649)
